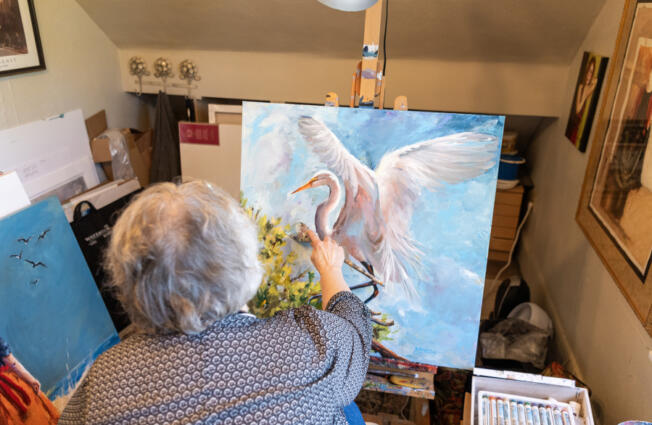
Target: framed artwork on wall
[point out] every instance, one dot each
(615, 209)
(20, 43)
(585, 100)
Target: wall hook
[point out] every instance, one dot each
(163, 70)
(138, 68)
(189, 72)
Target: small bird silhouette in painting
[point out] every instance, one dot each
(24, 240)
(35, 264)
(42, 234)
(34, 282)
(17, 256)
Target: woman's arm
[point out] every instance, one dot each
(20, 370)
(328, 258)
(350, 333)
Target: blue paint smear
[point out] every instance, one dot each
(59, 325)
(452, 224)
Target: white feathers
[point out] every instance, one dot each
(331, 152)
(397, 183)
(401, 176)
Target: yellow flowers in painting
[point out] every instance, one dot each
(283, 286)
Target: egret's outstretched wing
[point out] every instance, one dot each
(401, 176)
(331, 152)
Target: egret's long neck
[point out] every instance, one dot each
(324, 209)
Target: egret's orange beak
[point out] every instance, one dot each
(305, 186)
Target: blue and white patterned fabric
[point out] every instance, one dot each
(299, 367)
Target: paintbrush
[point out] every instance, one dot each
(385, 372)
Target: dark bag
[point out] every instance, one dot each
(512, 292)
(92, 228)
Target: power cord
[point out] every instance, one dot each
(385, 38)
(530, 205)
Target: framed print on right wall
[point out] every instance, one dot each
(615, 209)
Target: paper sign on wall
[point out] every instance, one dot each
(199, 133)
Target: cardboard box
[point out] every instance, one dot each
(139, 147)
(144, 142)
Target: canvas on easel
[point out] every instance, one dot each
(409, 195)
(51, 313)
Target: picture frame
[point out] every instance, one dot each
(615, 207)
(585, 99)
(20, 41)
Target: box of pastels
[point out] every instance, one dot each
(514, 398)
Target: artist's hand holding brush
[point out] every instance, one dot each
(328, 258)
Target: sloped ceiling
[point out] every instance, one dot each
(531, 31)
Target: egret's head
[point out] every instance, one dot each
(322, 178)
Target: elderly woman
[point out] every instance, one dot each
(184, 261)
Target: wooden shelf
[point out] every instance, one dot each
(505, 221)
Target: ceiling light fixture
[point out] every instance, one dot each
(349, 5)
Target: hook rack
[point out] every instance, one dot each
(188, 72)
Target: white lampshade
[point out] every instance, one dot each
(349, 5)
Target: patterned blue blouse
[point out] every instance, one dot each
(299, 367)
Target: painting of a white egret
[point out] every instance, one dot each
(409, 195)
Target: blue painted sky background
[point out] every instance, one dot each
(58, 326)
(452, 224)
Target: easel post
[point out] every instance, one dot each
(371, 43)
(367, 83)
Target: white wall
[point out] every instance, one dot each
(597, 332)
(82, 72)
(485, 87)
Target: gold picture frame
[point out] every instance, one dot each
(615, 208)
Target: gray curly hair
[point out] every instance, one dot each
(182, 257)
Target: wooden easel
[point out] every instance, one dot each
(368, 91)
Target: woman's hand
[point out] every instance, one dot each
(327, 255)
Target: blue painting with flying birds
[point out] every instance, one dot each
(51, 312)
(409, 195)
